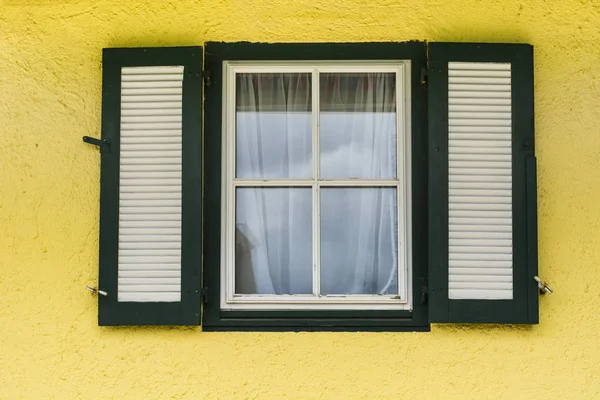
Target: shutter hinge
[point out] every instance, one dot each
(101, 143)
(206, 76)
(204, 295)
(424, 293)
(424, 77)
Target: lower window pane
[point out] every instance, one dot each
(273, 241)
(359, 241)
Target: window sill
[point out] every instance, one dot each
(319, 321)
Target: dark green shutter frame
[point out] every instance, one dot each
(482, 184)
(182, 308)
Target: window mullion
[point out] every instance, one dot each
(315, 186)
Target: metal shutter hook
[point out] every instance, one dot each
(95, 290)
(542, 285)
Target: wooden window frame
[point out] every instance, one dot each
(217, 318)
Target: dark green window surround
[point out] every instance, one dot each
(186, 312)
(215, 319)
(201, 189)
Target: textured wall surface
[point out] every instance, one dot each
(50, 344)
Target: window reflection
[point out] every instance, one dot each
(273, 125)
(358, 125)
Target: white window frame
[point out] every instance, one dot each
(400, 301)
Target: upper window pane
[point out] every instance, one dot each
(358, 125)
(273, 125)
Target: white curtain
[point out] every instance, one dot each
(359, 253)
(358, 235)
(273, 225)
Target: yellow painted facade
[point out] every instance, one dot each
(50, 93)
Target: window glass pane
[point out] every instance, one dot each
(273, 241)
(359, 231)
(358, 125)
(273, 125)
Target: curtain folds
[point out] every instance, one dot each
(358, 225)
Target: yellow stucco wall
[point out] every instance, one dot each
(50, 344)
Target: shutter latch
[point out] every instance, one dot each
(542, 285)
(206, 76)
(204, 294)
(102, 143)
(95, 290)
(424, 77)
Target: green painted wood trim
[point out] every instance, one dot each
(186, 312)
(522, 309)
(216, 320)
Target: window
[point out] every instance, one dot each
(316, 182)
(355, 186)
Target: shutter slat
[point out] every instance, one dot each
(150, 202)
(478, 136)
(157, 288)
(178, 69)
(147, 111)
(155, 231)
(154, 225)
(477, 66)
(150, 196)
(479, 272)
(158, 105)
(127, 147)
(478, 101)
(151, 174)
(132, 273)
(158, 245)
(138, 100)
(479, 164)
(467, 205)
(150, 297)
(477, 107)
(473, 94)
(172, 134)
(463, 87)
(482, 278)
(150, 184)
(480, 228)
(136, 281)
(152, 268)
(473, 234)
(152, 85)
(480, 242)
(150, 167)
(130, 95)
(129, 238)
(477, 115)
(171, 116)
(488, 265)
(480, 257)
(476, 73)
(147, 128)
(177, 77)
(170, 160)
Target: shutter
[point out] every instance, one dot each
(150, 197)
(482, 185)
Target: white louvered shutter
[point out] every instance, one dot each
(479, 181)
(482, 184)
(149, 260)
(150, 186)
